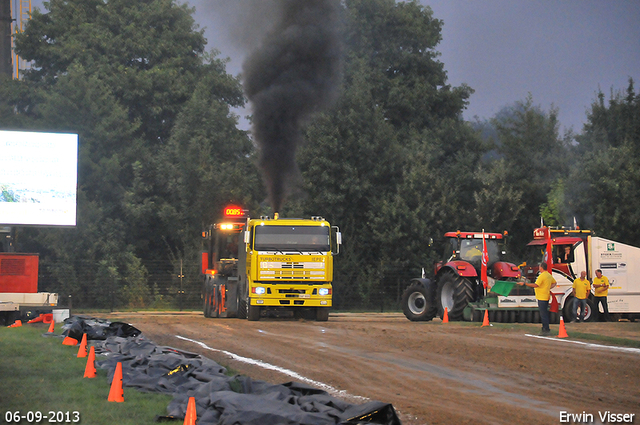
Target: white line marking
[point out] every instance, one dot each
(587, 344)
(269, 366)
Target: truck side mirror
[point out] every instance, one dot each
(247, 237)
(337, 238)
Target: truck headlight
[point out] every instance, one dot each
(324, 291)
(259, 290)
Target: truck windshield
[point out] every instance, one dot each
(297, 238)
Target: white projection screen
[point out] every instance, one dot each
(38, 178)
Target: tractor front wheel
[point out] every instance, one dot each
(418, 302)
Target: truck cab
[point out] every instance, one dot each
(269, 264)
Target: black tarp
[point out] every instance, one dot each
(222, 399)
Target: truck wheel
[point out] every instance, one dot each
(253, 313)
(207, 299)
(418, 302)
(589, 313)
(454, 293)
(322, 314)
(214, 301)
(567, 311)
(242, 307)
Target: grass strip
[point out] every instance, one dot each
(608, 340)
(39, 374)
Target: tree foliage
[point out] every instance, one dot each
(603, 185)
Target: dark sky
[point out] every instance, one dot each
(561, 52)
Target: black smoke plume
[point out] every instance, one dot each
(294, 73)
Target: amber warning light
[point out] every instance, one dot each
(233, 211)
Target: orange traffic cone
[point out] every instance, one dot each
(82, 351)
(190, 417)
(51, 327)
(485, 322)
(90, 368)
(69, 341)
(16, 324)
(47, 318)
(40, 318)
(445, 317)
(115, 393)
(563, 332)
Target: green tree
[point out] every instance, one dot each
(532, 155)
(603, 185)
(390, 162)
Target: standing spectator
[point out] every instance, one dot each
(601, 290)
(581, 289)
(542, 287)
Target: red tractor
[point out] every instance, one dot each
(457, 277)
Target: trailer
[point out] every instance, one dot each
(19, 296)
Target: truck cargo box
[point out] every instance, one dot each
(621, 264)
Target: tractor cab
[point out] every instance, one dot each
(467, 247)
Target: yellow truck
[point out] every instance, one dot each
(257, 266)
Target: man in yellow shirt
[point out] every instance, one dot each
(542, 288)
(581, 290)
(601, 290)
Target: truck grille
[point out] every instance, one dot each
(275, 270)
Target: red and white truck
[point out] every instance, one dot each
(576, 250)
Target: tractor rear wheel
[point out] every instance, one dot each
(454, 293)
(418, 303)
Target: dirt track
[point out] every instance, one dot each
(433, 373)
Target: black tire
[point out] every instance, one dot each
(568, 314)
(455, 293)
(590, 315)
(521, 317)
(322, 314)
(207, 299)
(418, 303)
(253, 313)
(478, 316)
(242, 307)
(499, 316)
(492, 316)
(567, 310)
(528, 316)
(536, 317)
(214, 303)
(512, 316)
(205, 306)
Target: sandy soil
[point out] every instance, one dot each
(432, 373)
